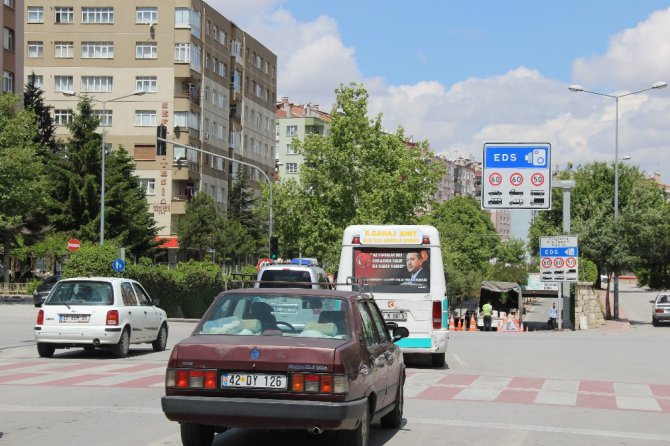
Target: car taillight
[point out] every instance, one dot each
(191, 378)
(437, 314)
(40, 317)
(658, 310)
(112, 317)
(319, 383)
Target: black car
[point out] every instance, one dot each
(42, 291)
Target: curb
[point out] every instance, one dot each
(20, 299)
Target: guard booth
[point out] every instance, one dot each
(505, 298)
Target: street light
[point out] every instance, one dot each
(102, 175)
(580, 89)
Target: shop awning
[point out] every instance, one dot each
(168, 242)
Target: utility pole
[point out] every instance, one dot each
(564, 314)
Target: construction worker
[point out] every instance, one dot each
(487, 312)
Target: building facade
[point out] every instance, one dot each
(210, 84)
(296, 121)
(11, 58)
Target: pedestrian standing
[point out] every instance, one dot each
(553, 314)
(487, 312)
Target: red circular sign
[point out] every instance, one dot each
(495, 179)
(537, 179)
(546, 262)
(516, 179)
(263, 262)
(571, 262)
(558, 262)
(73, 244)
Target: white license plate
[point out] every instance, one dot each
(253, 381)
(74, 318)
(394, 315)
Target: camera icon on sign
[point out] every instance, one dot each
(537, 157)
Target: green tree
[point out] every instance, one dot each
(21, 190)
(45, 135)
(241, 200)
(469, 243)
(201, 227)
(237, 242)
(127, 218)
(356, 174)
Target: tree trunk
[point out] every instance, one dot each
(608, 312)
(5, 261)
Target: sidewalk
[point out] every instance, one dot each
(622, 324)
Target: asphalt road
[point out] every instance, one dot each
(595, 387)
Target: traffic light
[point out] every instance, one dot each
(161, 146)
(274, 248)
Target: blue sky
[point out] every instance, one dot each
(460, 73)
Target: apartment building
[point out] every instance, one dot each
(173, 67)
(11, 57)
(296, 121)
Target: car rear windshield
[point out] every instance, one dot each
(287, 278)
(277, 315)
(81, 293)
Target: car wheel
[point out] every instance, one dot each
(45, 350)
(393, 419)
(120, 350)
(359, 436)
(438, 360)
(654, 322)
(196, 434)
(161, 340)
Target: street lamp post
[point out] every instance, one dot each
(580, 89)
(102, 174)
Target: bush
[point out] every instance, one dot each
(199, 283)
(92, 260)
(159, 282)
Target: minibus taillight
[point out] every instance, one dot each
(437, 314)
(425, 241)
(356, 240)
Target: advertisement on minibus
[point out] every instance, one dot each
(393, 270)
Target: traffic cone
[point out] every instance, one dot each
(460, 327)
(452, 325)
(473, 323)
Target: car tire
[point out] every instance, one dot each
(196, 434)
(359, 436)
(438, 360)
(120, 349)
(654, 322)
(393, 419)
(45, 350)
(161, 340)
(89, 348)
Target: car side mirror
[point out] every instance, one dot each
(652, 301)
(399, 333)
(390, 326)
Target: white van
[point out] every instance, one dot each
(298, 274)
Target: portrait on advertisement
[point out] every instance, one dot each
(401, 270)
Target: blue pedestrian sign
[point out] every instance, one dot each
(119, 265)
(516, 176)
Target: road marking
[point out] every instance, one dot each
(458, 359)
(544, 429)
(77, 409)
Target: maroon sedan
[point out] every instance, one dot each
(287, 359)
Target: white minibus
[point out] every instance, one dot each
(401, 265)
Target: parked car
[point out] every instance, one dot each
(278, 358)
(42, 291)
(99, 312)
(297, 274)
(660, 312)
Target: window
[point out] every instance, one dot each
(291, 130)
(369, 333)
(62, 117)
(35, 14)
(378, 319)
(182, 18)
(291, 167)
(7, 82)
(64, 14)
(146, 15)
(64, 50)
(195, 58)
(97, 15)
(8, 39)
(146, 50)
(35, 49)
(180, 119)
(39, 81)
(145, 118)
(127, 295)
(182, 52)
(63, 83)
(222, 69)
(289, 149)
(148, 185)
(105, 117)
(148, 84)
(215, 32)
(97, 50)
(223, 38)
(195, 23)
(96, 84)
(9, 3)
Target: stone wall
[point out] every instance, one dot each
(587, 305)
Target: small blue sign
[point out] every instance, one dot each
(522, 157)
(571, 251)
(119, 265)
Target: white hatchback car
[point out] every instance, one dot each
(99, 312)
(660, 312)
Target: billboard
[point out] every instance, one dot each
(393, 270)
